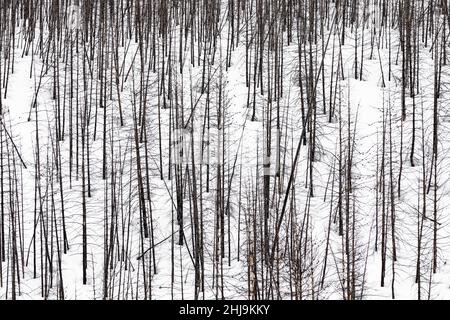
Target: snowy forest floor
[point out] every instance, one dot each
(102, 171)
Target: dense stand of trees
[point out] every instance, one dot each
(221, 149)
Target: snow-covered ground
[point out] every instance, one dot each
(116, 250)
